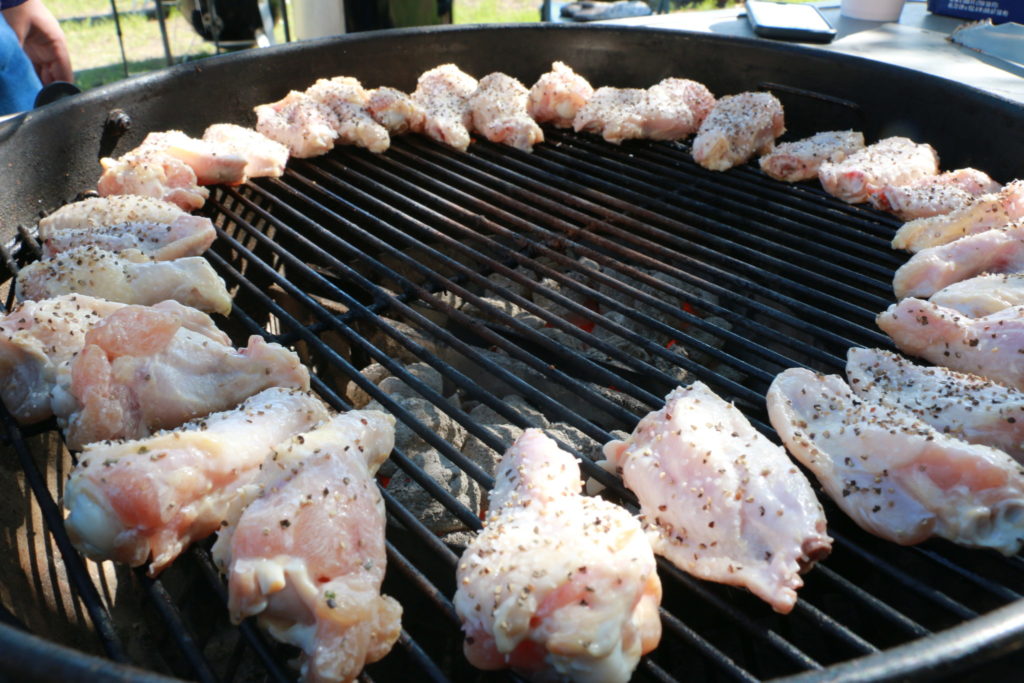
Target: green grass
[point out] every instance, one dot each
(495, 11)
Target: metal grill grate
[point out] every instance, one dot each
(572, 278)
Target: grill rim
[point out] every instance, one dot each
(1019, 604)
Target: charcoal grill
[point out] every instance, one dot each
(416, 256)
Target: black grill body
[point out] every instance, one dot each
(586, 280)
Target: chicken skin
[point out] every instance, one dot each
(558, 95)
(983, 295)
(97, 212)
(934, 195)
(894, 475)
(984, 213)
(792, 162)
(128, 277)
(443, 93)
(148, 499)
(968, 407)
(498, 108)
(721, 501)
(991, 347)
(396, 111)
(307, 556)
(737, 129)
(347, 99)
(1000, 250)
(264, 158)
(892, 161)
(300, 123)
(184, 236)
(557, 585)
(146, 368)
(36, 339)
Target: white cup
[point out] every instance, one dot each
(872, 10)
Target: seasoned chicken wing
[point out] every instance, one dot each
(148, 499)
(348, 100)
(968, 407)
(263, 157)
(558, 95)
(300, 123)
(443, 93)
(36, 339)
(184, 236)
(152, 173)
(1000, 250)
(307, 556)
(146, 368)
(98, 212)
(558, 586)
(670, 110)
(984, 213)
(934, 195)
(894, 475)
(892, 161)
(498, 109)
(214, 163)
(128, 277)
(721, 501)
(800, 160)
(396, 111)
(738, 128)
(992, 346)
(616, 114)
(983, 295)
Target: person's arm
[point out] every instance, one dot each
(42, 39)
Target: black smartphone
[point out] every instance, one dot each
(786, 21)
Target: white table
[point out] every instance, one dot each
(918, 41)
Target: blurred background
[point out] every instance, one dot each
(113, 39)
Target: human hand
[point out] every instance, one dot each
(42, 40)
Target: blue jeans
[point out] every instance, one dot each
(19, 84)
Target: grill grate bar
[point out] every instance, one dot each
(809, 211)
(669, 245)
(723, 662)
(829, 625)
(426, 665)
(760, 253)
(893, 616)
(561, 323)
(73, 563)
(177, 628)
(542, 248)
(979, 581)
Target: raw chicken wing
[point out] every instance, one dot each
(443, 93)
(346, 97)
(148, 368)
(36, 339)
(721, 501)
(300, 123)
(128, 277)
(984, 213)
(800, 160)
(558, 586)
(992, 346)
(1000, 250)
(498, 108)
(892, 161)
(983, 295)
(738, 128)
(97, 212)
(894, 475)
(307, 557)
(130, 501)
(396, 111)
(264, 158)
(670, 110)
(184, 236)
(968, 407)
(934, 195)
(153, 173)
(558, 95)
(214, 163)
(616, 114)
